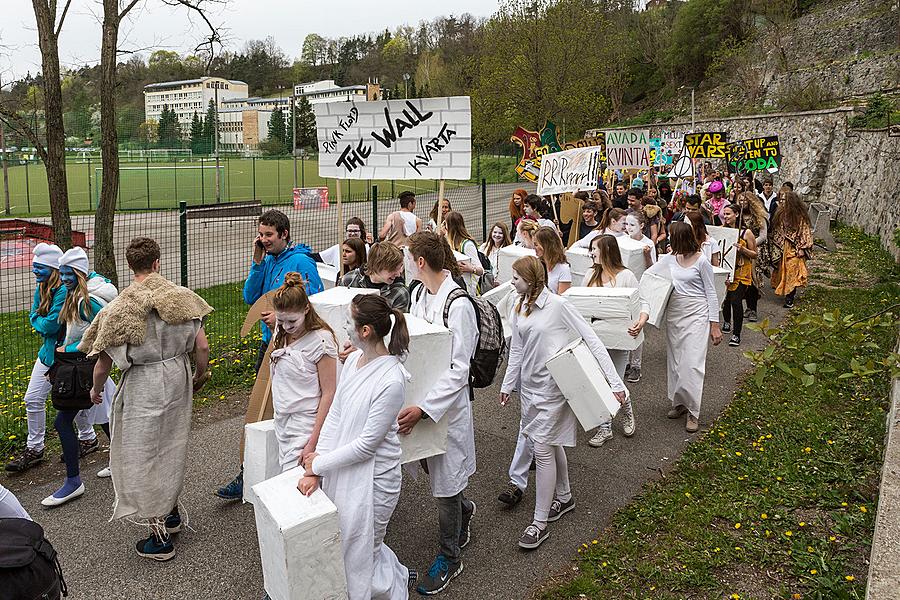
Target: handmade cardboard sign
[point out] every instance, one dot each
(419, 138)
(683, 167)
(569, 171)
(755, 154)
(628, 149)
(670, 144)
(534, 145)
(706, 145)
(727, 237)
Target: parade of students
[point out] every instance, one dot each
(383, 271)
(549, 249)
(692, 320)
(498, 238)
(792, 242)
(542, 325)
(87, 293)
(357, 461)
(456, 234)
(450, 398)
(742, 280)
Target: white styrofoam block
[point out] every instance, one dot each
(260, 456)
(632, 252)
(504, 298)
(505, 259)
(427, 361)
(580, 262)
(333, 305)
(497, 294)
(299, 541)
(328, 274)
(460, 257)
(578, 375)
(655, 289)
(721, 275)
(610, 311)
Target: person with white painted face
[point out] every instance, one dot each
(303, 372)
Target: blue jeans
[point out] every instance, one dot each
(68, 437)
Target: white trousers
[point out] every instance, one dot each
(36, 409)
(551, 479)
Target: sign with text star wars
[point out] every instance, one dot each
(418, 138)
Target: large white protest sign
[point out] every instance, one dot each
(628, 149)
(573, 170)
(727, 237)
(420, 138)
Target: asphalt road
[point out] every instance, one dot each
(219, 557)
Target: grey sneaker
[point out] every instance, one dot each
(601, 437)
(752, 317)
(634, 376)
(512, 495)
(676, 412)
(465, 535)
(558, 509)
(29, 458)
(533, 536)
(628, 419)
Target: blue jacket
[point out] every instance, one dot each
(269, 275)
(48, 326)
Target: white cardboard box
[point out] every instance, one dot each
(505, 259)
(333, 305)
(578, 375)
(656, 289)
(721, 275)
(328, 274)
(727, 239)
(260, 456)
(632, 252)
(428, 359)
(299, 541)
(580, 262)
(504, 298)
(610, 311)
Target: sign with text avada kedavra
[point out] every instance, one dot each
(419, 138)
(628, 149)
(756, 154)
(573, 170)
(706, 145)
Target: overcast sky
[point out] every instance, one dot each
(153, 26)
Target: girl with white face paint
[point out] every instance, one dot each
(634, 227)
(303, 372)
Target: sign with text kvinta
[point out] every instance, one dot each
(420, 138)
(573, 170)
(756, 154)
(706, 145)
(628, 149)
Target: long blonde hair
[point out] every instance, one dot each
(554, 253)
(291, 296)
(457, 234)
(79, 295)
(531, 270)
(46, 290)
(607, 249)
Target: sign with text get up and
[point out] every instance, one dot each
(419, 138)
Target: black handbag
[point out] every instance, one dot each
(71, 378)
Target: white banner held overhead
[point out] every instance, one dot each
(573, 170)
(628, 149)
(419, 138)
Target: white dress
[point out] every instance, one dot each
(552, 325)
(359, 461)
(449, 398)
(296, 392)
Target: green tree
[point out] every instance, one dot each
(169, 130)
(306, 124)
(277, 133)
(209, 129)
(197, 140)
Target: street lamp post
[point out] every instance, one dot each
(406, 85)
(216, 129)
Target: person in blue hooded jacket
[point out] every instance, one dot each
(274, 255)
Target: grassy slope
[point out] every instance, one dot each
(778, 498)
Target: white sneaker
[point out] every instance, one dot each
(105, 473)
(628, 420)
(52, 500)
(600, 438)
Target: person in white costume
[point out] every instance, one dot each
(542, 325)
(449, 399)
(303, 372)
(692, 319)
(358, 456)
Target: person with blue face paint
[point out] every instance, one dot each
(48, 300)
(86, 294)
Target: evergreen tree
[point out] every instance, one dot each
(277, 132)
(306, 125)
(169, 129)
(209, 129)
(197, 143)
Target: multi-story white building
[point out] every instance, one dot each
(189, 96)
(318, 92)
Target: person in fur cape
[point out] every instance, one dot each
(149, 331)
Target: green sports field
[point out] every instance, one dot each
(156, 184)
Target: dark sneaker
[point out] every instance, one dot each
(558, 509)
(747, 312)
(726, 327)
(627, 370)
(752, 317)
(634, 376)
(413, 579)
(234, 490)
(676, 411)
(735, 340)
(29, 458)
(465, 534)
(439, 576)
(533, 536)
(85, 447)
(155, 549)
(788, 304)
(173, 522)
(512, 495)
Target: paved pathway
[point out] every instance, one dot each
(220, 558)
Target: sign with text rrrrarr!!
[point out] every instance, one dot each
(706, 145)
(570, 171)
(756, 154)
(628, 149)
(419, 138)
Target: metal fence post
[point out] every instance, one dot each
(374, 208)
(90, 197)
(484, 209)
(183, 245)
(202, 185)
(27, 187)
(147, 171)
(253, 164)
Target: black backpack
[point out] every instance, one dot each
(29, 568)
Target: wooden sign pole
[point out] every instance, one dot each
(340, 213)
(440, 205)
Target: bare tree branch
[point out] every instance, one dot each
(215, 37)
(127, 9)
(62, 18)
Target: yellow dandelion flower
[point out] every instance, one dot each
(764, 516)
(812, 571)
(849, 577)
(831, 538)
(788, 533)
(737, 525)
(863, 509)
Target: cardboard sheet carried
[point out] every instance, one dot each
(655, 289)
(328, 274)
(610, 311)
(580, 262)
(334, 307)
(260, 456)
(505, 259)
(632, 252)
(504, 298)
